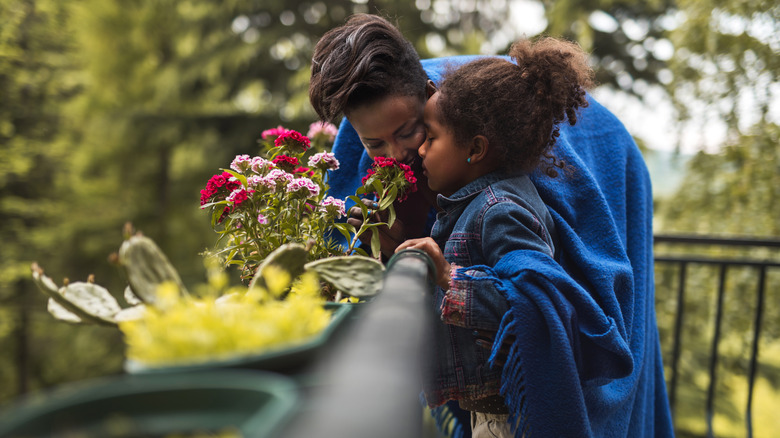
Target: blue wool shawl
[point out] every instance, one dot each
(585, 357)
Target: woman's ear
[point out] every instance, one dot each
(430, 89)
(478, 148)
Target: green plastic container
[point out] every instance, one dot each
(285, 359)
(227, 403)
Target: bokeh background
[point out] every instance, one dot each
(119, 110)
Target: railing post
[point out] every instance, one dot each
(754, 352)
(714, 351)
(677, 335)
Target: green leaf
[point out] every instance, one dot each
(377, 186)
(356, 276)
(216, 214)
(389, 198)
(345, 229)
(376, 246)
(391, 216)
(239, 177)
(290, 257)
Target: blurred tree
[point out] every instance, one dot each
(36, 78)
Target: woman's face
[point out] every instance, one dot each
(391, 127)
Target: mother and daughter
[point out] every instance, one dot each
(537, 214)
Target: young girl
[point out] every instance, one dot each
(489, 125)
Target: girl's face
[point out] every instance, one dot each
(391, 127)
(444, 161)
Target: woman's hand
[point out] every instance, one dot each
(434, 252)
(389, 238)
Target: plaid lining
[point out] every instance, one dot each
(453, 307)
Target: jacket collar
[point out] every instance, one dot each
(470, 190)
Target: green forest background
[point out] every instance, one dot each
(114, 111)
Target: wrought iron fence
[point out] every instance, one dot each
(725, 256)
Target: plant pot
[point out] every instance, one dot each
(285, 358)
(224, 403)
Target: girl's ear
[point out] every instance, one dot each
(478, 149)
(430, 89)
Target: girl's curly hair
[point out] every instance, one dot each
(518, 106)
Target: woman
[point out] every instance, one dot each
(595, 315)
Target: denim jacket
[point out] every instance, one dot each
(479, 224)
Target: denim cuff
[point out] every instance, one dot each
(453, 307)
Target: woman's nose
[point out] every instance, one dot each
(402, 153)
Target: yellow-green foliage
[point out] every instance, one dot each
(223, 323)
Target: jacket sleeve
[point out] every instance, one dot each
(505, 227)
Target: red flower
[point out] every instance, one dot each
(218, 188)
(304, 171)
(294, 140)
(285, 162)
(389, 171)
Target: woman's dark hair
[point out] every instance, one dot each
(360, 62)
(519, 105)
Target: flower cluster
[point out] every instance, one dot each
(263, 202)
(260, 203)
(322, 130)
(391, 174)
(219, 186)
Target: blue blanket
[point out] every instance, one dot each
(586, 357)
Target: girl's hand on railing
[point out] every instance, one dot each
(434, 252)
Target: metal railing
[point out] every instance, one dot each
(371, 384)
(693, 246)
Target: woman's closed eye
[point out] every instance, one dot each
(374, 146)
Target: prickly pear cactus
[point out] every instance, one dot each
(147, 267)
(291, 257)
(356, 276)
(77, 302)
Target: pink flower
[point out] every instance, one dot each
(304, 186)
(324, 160)
(334, 206)
(262, 220)
(271, 134)
(276, 178)
(241, 163)
(294, 141)
(324, 129)
(260, 165)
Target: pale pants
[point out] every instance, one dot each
(490, 425)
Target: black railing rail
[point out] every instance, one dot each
(724, 264)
